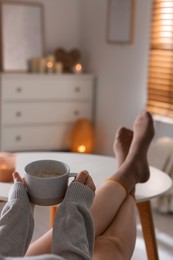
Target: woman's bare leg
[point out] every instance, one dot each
(109, 244)
(41, 246)
(111, 194)
(118, 241)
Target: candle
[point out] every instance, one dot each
(34, 65)
(7, 166)
(58, 67)
(81, 149)
(78, 68)
(41, 65)
(50, 60)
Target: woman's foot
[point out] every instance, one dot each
(143, 134)
(123, 139)
(135, 169)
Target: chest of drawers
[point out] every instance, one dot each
(38, 111)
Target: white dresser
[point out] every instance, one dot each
(38, 110)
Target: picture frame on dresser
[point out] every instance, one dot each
(21, 34)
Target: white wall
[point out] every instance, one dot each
(120, 69)
(61, 20)
(61, 24)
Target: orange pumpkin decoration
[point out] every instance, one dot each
(82, 136)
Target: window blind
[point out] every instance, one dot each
(160, 70)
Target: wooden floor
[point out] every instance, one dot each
(163, 225)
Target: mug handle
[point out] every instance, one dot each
(72, 174)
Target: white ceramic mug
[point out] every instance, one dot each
(47, 181)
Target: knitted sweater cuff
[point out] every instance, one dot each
(79, 193)
(17, 191)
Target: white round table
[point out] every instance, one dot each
(100, 168)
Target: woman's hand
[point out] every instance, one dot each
(18, 178)
(84, 178)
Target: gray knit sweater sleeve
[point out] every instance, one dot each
(16, 223)
(77, 227)
(73, 235)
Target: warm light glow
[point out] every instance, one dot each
(3, 166)
(167, 4)
(82, 136)
(7, 166)
(50, 64)
(167, 28)
(166, 22)
(78, 67)
(166, 16)
(166, 11)
(81, 148)
(165, 34)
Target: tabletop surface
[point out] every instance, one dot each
(100, 167)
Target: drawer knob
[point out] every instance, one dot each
(77, 89)
(18, 89)
(18, 138)
(18, 114)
